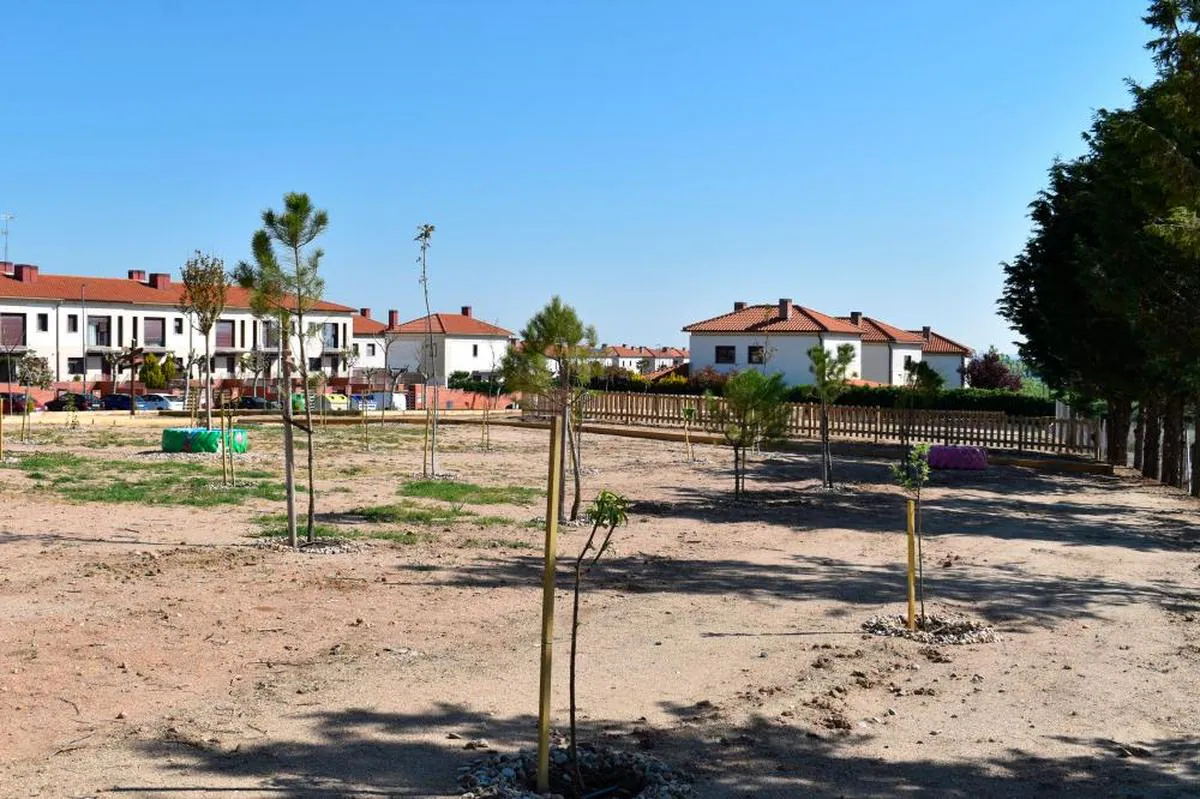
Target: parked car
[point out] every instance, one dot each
(120, 402)
(70, 399)
(257, 404)
(163, 402)
(15, 403)
(363, 402)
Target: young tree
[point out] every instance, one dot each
(286, 287)
(608, 511)
(32, 372)
(429, 357)
(991, 372)
(168, 368)
(754, 412)
(911, 474)
(205, 286)
(256, 363)
(556, 334)
(922, 384)
(830, 373)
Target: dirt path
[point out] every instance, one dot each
(155, 651)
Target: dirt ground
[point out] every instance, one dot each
(161, 650)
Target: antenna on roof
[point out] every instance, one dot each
(6, 218)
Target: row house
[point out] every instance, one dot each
(461, 343)
(777, 338)
(644, 360)
(79, 323)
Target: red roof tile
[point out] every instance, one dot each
(874, 330)
(452, 324)
(119, 290)
(367, 327)
(937, 344)
(766, 319)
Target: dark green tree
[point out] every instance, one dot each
(830, 374)
(753, 412)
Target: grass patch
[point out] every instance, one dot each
(495, 543)
(274, 525)
(278, 529)
(410, 513)
(470, 493)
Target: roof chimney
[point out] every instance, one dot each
(925, 332)
(26, 273)
(159, 280)
(6, 267)
(739, 306)
(138, 275)
(365, 313)
(785, 308)
(393, 319)
(856, 318)
(466, 310)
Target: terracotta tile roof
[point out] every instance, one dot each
(453, 324)
(367, 327)
(874, 330)
(625, 351)
(766, 319)
(681, 370)
(119, 290)
(668, 352)
(936, 344)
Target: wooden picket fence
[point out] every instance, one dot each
(990, 429)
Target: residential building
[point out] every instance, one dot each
(369, 344)
(461, 343)
(643, 360)
(773, 338)
(947, 357)
(80, 323)
(886, 349)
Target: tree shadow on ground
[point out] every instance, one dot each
(1005, 502)
(1003, 594)
(367, 753)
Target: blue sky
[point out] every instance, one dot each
(651, 162)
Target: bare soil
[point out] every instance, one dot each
(162, 651)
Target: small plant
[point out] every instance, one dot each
(752, 413)
(911, 474)
(608, 511)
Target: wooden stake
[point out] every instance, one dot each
(912, 566)
(1, 429)
(224, 447)
(553, 481)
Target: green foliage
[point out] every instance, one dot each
(830, 371)
(555, 333)
(168, 368)
(912, 472)
(406, 512)
(608, 510)
(471, 494)
(464, 382)
(923, 378)
(151, 373)
(754, 412)
(34, 371)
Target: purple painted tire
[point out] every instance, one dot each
(944, 456)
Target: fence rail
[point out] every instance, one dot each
(990, 429)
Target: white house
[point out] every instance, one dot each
(369, 344)
(886, 349)
(76, 322)
(947, 357)
(461, 343)
(773, 338)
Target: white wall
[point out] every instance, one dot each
(481, 354)
(947, 366)
(899, 353)
(787, 354)
(367, 359)
(876, 362)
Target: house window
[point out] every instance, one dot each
(314, 364)
(270, 335)
(76, 366)
(370, 350)
(72, 323)
(43, 322)
(474, 350)
(329, 336)
(726, 354)
(231, 363)
(12, 330)
(120, 331)
(354, 347)
(908, 361)
(224, 330)
(179, 325)
(242, 333)
(134, 328)
(755, 354)
(99, 331)
(154, 330)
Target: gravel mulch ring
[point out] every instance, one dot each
(508, 776)
(934, 630)
(323, 546)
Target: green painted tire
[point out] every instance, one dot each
(199, 439)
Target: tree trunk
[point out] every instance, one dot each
(1195, 487)
(207, 382)
(826, 454)
(1150, 446)
(1139, 435)
(1172, 474)
(289, 442)
(312, 497)
(573, 434)
(578, 777)
(1117, 430)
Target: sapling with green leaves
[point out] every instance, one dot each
(911, 474)
(32, 372)
(753, 412)
(831, 373)
(607, 512)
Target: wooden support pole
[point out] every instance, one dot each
(1, 429)
(912, 566)
(553, 481)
